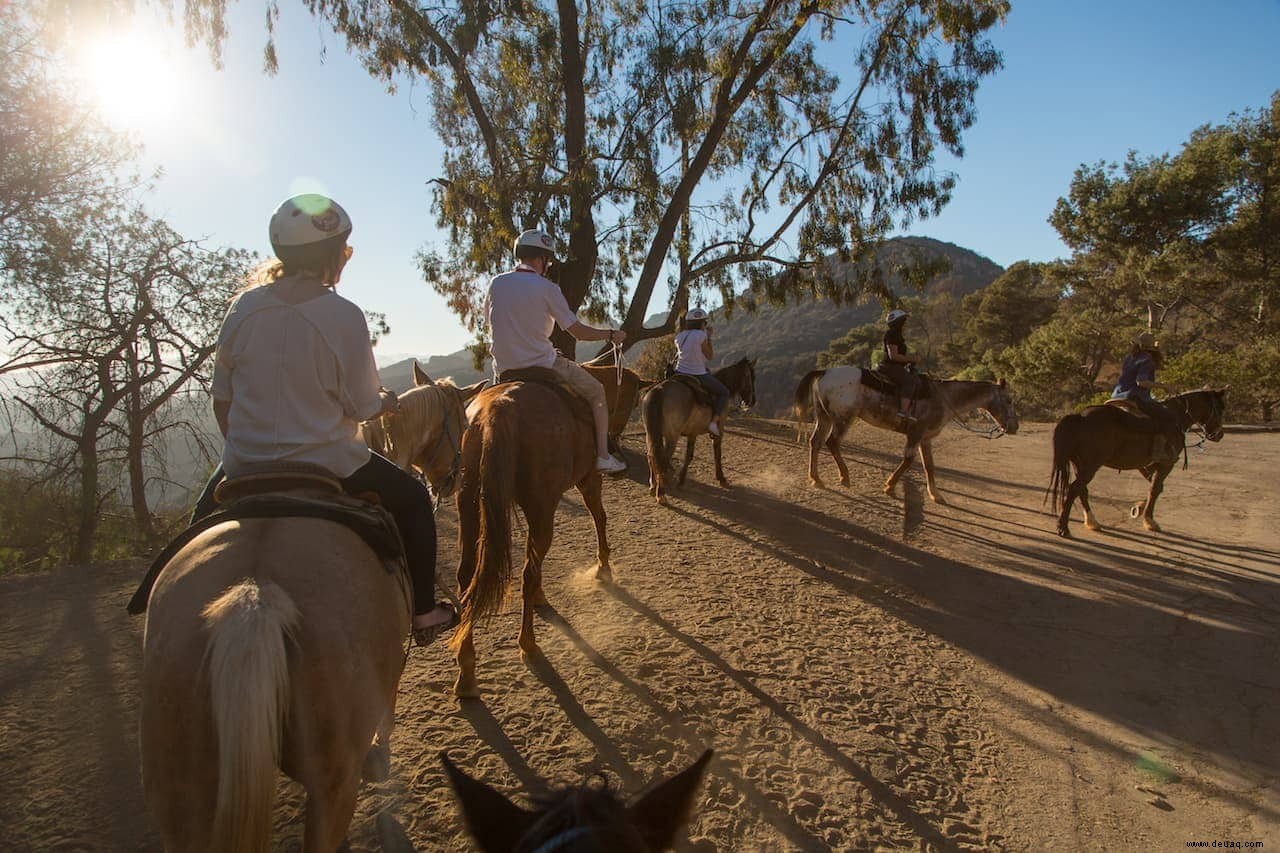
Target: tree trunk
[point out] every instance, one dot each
(87, 504)
(137, 473)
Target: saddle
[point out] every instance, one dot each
(883, 384)
(1163, 445)
(545, 376)
(1124, 404)
(701, 395)
(260, 494)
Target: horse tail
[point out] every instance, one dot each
(1062, 436)
(651, 409)
(497, 469)
(250, 626)
(804, 400)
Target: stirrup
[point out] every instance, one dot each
(427, 635)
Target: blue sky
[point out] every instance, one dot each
(1082, 82)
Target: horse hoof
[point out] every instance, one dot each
(604, 574)
(1092, 525)
(377, 764)
(662, 500)
(1152, 526)
(532, 657)
(814, 481)
(844, 481)
(467, 689)
(724, 484)
(1064, 533)
(938, 499)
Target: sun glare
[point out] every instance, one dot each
(132, 77)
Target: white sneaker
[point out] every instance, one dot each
(609, 465)
(713, 428)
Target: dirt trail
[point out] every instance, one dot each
(872, 671)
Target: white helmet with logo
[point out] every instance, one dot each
(306, 219)
(536, 239)
(897, 315)
(696, 314)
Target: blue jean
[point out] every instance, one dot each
(716, 389)
(403, 495)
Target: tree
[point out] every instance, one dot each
(657, 355)
(643, 133)
(107, 333)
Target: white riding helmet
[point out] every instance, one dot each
(306, 219)
(696, 314)
(537, 239)
(896, 315)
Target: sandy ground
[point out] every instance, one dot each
(872, 672)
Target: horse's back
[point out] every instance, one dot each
(555, 444)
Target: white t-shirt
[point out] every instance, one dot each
(523, 308)
(300, 379)
(692, 361)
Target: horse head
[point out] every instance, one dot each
(1206, 408)
(588, 817)
(1000, 407)
(743, 381)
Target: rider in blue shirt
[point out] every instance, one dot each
(1137, 379)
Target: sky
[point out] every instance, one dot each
(1082, 81)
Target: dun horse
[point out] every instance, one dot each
(838, 395)
(269, 641)
(527, 443)
(1106, 436)
(426, 434)
(671, 409)
(589, 817)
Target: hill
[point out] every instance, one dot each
(785, 339)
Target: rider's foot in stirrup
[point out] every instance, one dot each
(906, 416)
(610, 465)
(713, 428)
(430, 625)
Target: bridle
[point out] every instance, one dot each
(453, 406)
(1200, 427)
(996, 430)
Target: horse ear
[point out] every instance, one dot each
(420, 376)
(494, 822)
(472, 390)
(660, 813)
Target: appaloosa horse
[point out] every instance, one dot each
(425, 435)
(527, 443)
(268, 642)
(587, 818)
(672, 408)
(838, 395)
(1109, 437)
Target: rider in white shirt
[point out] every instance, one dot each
(694, 346)
(523, 308)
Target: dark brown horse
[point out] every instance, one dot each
(527, 444)
(1109, 437)
(589, 817)
(672, 409)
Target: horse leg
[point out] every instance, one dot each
(541, 527)
(822, 427)
(688, 457)
(716, 448)
(926, 462)
(591, 491)
(377, 762)
(833, 445)
(1149, 510)
(331, 802)
(1078, 488)
(908, 456)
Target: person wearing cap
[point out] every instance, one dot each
(522, 308)
(294, 376)
(694, 346)
(899, 364)
(1137, 381)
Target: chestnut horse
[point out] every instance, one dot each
(268, 642)
(622, 390)
(582, 819)
(670, 409)
(837, 396)
(526, 445)
(425, 436)
(1108, 437)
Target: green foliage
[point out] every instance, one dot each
(1252, 372)
(860, 348)
(654, 358)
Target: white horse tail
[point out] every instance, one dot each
(249, 628)
(804, 400)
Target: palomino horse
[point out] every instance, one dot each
(589, 817)
(269, 642)
(837, 396)
(670, 409)
(1104, 436)
(426, 434)
(527, 443)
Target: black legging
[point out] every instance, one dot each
(404, 497)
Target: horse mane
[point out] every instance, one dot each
(588, 816)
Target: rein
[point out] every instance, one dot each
(617, 360)
(996, 431)
(455, 442)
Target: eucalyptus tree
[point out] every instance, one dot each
(717, 144)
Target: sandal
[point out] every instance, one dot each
(428, 634)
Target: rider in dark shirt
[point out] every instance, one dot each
(898, 364)
(1137, 379)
